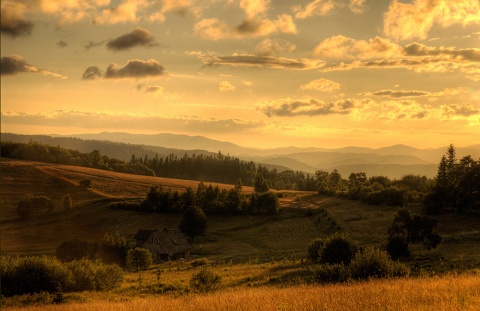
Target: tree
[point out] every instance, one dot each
(194, 222)
(139, 259)
(114, 248)
(260, 185)
(32, 206)
(67, 202)
(338, 248)
(407, 229)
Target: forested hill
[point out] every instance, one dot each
(118, 150)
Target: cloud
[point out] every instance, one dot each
(273, 47)
(215, 29)
(357, 6)
(92, 73)
(125, 12)
(314, 8)
(134, 69)
(341, 47)
(254, 8)
(398, 93)
(15, 64)
(225, 86)
(306, 107)
(138, 37)
(321, 85)
(417, 49)
(459, 110)
(147, 122)
(249, 60)
(419, 65)
(12, 21)
(92, 44)
(62, 44)
(405, 21)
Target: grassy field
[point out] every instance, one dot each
(450, 292)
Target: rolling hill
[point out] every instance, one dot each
(392, 161)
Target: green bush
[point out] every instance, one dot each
(84, 273)
(334, 273)
(338, 248)
(372, 262)
(108, 277)
(204, 280)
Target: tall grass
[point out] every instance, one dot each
(450, 292)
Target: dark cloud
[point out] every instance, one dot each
(399, 93)
(248, 60)
(134, 68)
(153, 89)
(460, 110)
(417, 49)
(62, 44)
(14, 25)
(14, 64)
(309, 107)
(138, 37)
(249, 26)
(92, 73)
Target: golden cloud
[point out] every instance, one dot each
(321, 85)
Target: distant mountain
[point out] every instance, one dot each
(392, 161)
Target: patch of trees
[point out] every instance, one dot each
(32, 206)
(340, 260)
(112, 249)
(28, 275)
(210, 199)
(457, 185)
(407, 228)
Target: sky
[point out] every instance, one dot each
(258, 73)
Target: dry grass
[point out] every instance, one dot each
(436, 294)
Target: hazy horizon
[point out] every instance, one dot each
(257, 73)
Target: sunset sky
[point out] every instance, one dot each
(258, 73)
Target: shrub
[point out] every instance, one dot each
(334, 273)
(314, 248)
(84, 273)
(372, 262)
(205, 280)
(338, 248)
(33, 275)
(108, 277)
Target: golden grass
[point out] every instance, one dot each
(435, 294)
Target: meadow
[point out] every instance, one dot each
(260, 258)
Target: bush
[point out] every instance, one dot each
(205, 280)
(108, 277)
(372, 262)
(338, 248)
(314, 248)
(84, 273)
(33, 275)
(331, 273)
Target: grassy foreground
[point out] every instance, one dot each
(451, 292)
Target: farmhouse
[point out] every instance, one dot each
(167, 244)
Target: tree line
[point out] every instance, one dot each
(210, 199)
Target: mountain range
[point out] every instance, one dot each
(393, 161)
